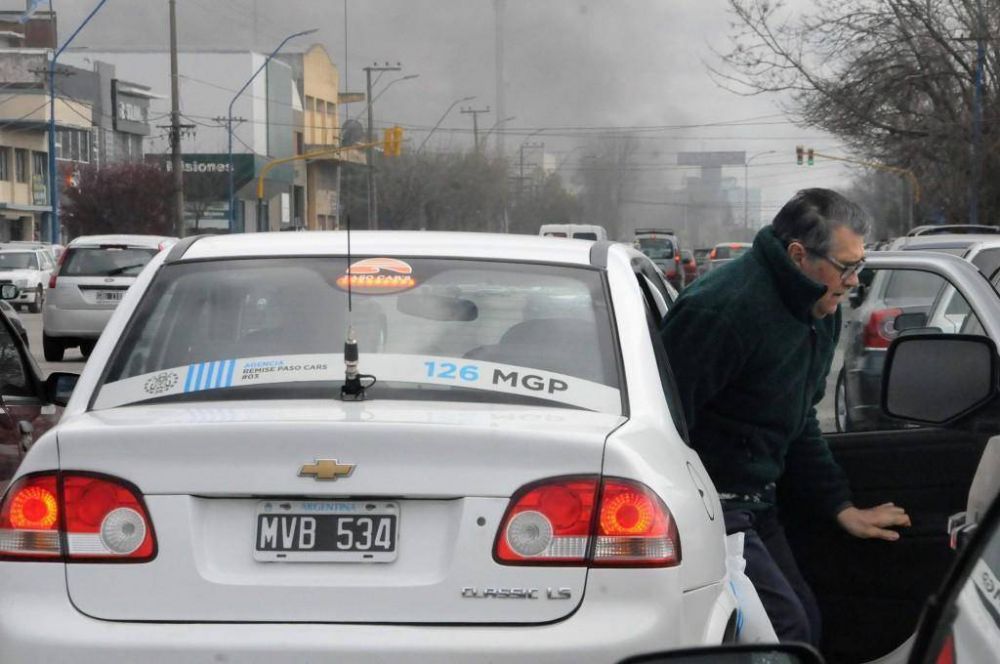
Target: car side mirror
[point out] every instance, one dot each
(9, 292)
(938, 378)
(910, 321)
(59, 387)
(743, 653)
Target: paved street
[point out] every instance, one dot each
(73, 360)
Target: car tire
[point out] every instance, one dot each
(36, 306)
(840, 410)
(86, 348)
(53, 349)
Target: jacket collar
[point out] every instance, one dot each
(797, 291)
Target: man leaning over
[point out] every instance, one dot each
(750, 345)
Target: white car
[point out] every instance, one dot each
(29, 269)
(512, 487)
(93, 274)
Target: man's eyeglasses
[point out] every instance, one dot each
(847, 270)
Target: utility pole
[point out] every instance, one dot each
(175, 127)
(369, 153)
(499, 7)
(474, 112)
(977, 116)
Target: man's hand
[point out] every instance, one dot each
(874, 522)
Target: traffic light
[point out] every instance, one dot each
(392, 141)
(387, 142)
(809, 157)
(397, 139)
(798, 154)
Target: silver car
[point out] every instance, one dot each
(94, 273)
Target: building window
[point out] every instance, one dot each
(73, 145)
(5, 164)
(299, 143)
(21, 165)
(40, 165)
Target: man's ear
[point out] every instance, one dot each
(797, 253)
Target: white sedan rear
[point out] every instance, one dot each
(512, 487)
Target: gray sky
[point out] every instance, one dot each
(569, 64)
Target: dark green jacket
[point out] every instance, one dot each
(751, 364)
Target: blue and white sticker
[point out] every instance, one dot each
(419, 369)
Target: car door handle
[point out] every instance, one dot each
(27, 430)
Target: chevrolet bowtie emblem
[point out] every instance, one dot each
(326, 469)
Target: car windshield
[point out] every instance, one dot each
(105, 261)
(431, 328)
(18, 260)
(656, 247)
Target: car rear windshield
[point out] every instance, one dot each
(426, 329)
(585, 236)
(18, 260)
(105, 261)
(656, 247)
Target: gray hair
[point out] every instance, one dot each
(811, 216)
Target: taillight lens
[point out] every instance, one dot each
(548, 522)
(880, 329)
(29, 520)
(95, 516)
(712, 254)
(581, 520)
(947, 653)
(59, 264)
(634, 528)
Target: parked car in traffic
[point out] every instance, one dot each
(663, 247)
(689, 266)
(701, 258)
(953, 229)
(574, 231)
(29, 269)
(496, 475)
(724, 252)
(27, 401)
(872, 325)
(93, 275)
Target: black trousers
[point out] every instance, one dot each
(787, 598)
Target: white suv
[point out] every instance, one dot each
(93, 274)
(29, 270)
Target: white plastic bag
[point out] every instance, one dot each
(752, 623)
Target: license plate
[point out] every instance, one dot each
(326, 531)
(110, 296)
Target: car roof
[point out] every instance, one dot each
(533, 248)
(734, 244)
(944, 241)
(152, 241)
(18, 250)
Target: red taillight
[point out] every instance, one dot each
(712, 254)
(670, 273)
(548, 522)
(880, 329)
(59, 264)
(101, 518)
(947, 653)
(554, 523)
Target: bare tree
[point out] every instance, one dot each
(120, 198)
(895, 79)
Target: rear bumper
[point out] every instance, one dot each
(76, 323)
(622, 615)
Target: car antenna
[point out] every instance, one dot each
(353, 388)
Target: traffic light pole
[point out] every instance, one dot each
(369, 153)
(907, 174)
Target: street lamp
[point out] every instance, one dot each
(443, 116)
(393, 82)
(229, 121)
(495, 125)
(53, 180)
(746, 192)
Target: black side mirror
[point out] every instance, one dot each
(938, 378)
(751, 653)
(59, 387)
(857, 296)
(9, 292)
(910, 321)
